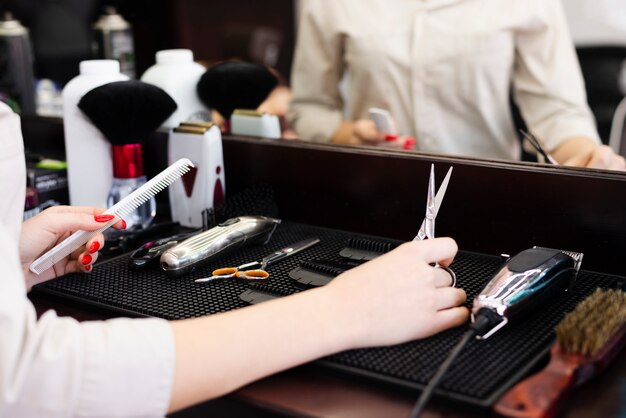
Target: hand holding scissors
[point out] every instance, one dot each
(255, 271)
(433, 202)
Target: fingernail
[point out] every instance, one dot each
(103, 218)
(123, 224)
(95, 246)
(88, 268)
(86, 259)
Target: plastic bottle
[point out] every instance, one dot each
(177, 74)
(88, 153)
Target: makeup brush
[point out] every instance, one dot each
(588, 339)
(231, 85)
(126, 112)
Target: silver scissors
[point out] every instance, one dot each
(256, 270)
(433, 203)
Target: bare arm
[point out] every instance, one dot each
(364, 307)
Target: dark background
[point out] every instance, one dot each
(214, 30)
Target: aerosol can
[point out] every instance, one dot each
(16, 66)
(113, 39)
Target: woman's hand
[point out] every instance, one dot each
(360, 132)
(399, 296)
(584, 152)
(395, 298)
(53, 225)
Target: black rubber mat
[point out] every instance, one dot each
(480, 375)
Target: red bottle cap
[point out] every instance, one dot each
(391, 137)
(127, 161)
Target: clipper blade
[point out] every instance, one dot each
(578, 257)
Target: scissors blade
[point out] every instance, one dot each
(532, 140)
(421, 234)
(288, 251)
(208, 279)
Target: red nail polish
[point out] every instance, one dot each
(88, 268)
(86, 259)
(95, 246)
(103, 218)
(123, 224)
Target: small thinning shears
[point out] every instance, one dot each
(433, 203)
(255, 271)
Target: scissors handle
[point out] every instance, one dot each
(449, 271)
(253, 275)
(234, 273)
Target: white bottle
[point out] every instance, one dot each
(177, 74)
(88, 152)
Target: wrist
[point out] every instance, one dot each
(342, 320)
(345, 134)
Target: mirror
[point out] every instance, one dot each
(445, 78)
(266, 31)
(607, 36)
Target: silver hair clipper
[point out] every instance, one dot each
(191, 253)
(520, 284)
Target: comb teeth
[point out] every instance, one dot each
(327, 269)
(369, 245)
(365, 249)
(273, 290)
(593, 323)
(151, 188)
(120, 209)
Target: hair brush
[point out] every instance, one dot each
(231, 85)
(588, 339)
(126, 112)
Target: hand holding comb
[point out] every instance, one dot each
(120, 209)
(588, 339)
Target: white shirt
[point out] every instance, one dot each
(597, 22)
(444, 69)
(58, 367)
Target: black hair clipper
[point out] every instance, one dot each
(525, 280)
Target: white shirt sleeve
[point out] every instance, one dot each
(316, 108)
(548, 83)
(58, 367)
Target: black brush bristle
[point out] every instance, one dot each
(234, 85)
(127, 111)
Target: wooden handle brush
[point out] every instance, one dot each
(588, 339)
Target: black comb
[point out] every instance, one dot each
(365, 249)
(259, 294)
(318, 273)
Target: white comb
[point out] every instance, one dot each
(119, 210)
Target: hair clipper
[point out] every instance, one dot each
(524, 280)
(203, 188)
(186, 256)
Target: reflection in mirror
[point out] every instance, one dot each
(446, 79)
(449, 82)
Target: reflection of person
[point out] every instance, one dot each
(143, 367)
(445, 70)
